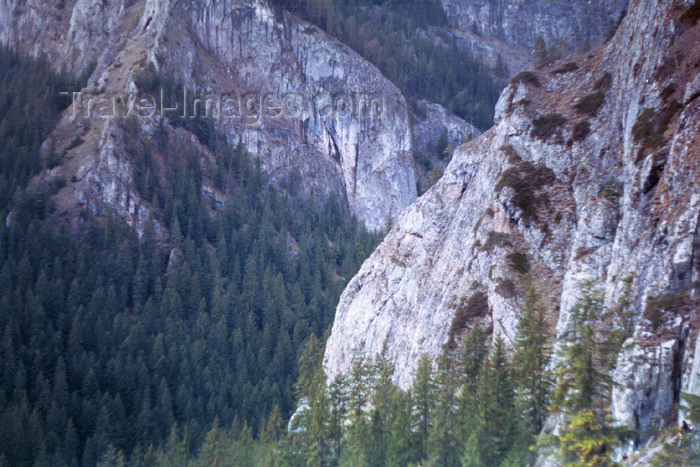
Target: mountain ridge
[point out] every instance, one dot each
(577, 176)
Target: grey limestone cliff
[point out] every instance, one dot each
(591, 172)
(355, 142)
(508, 28)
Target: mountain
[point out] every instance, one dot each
(493, 28)
(249, 49)
(590, 173)
(237, 47)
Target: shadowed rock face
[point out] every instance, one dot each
(509, 28)
(604, 191)
(236, 47)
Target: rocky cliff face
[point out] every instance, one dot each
(351, 135)
(509, 28)
(590, 173)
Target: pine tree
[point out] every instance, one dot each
(311, 392)
(212, 452)
(338, 401)
(500, 409)
(582, 380)
(443, 443)
(472, 358)
(112, 458)
(492, 433)
(586, 441)
(308, 367)
(383, 392)
(360, 385)
(531, 362)
(584, 385)
(423, 394)
(401, 445)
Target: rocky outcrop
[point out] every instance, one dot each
(494, 27)
(437, 120)
(589, 174)
(351, 134)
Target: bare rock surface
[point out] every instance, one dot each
(350, 137)
(591, 172)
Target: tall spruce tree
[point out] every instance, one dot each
(360, 385)
(423, 395)
(584, 385)
(443, 441)
(531, 363)
(472, 358)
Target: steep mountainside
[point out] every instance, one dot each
(496, 27)
(590, 174)
(241, 48)
(249, 48)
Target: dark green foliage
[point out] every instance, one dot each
(584, 384)
(526, 180)
(390, 34)
(481, 410)
(443, 440)
(581, 130)
(582, 378)
(519, 262)
(526, 77)
(591, 103)
(491, 423)
(692, 14)
(108, 340)
(475, 306)
(434, 423)
(30, 102)
(547, 125)
(531, 362)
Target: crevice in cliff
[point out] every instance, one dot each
(676, 376)
(655, 174)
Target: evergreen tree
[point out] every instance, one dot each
(683, 449)
(472, 358)
(443, 441)
(583, 382)
(531, 362)
(360, 385)
(401, 444)
(584, 385)
(423, 397)
(384, 392)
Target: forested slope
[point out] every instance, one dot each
(108, 338)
